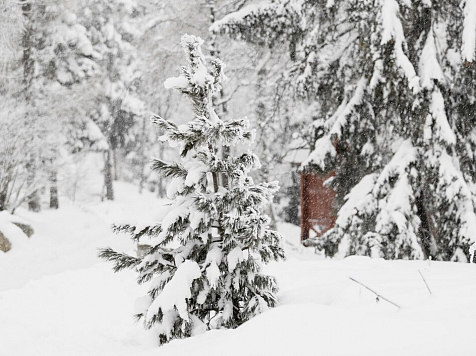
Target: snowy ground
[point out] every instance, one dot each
(58, 299)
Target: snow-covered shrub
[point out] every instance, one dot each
(204, 264)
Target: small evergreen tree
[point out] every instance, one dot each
(204, 264)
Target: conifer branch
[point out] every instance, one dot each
(132, 230)
(121, 260)
(174, 170)
(117, 229)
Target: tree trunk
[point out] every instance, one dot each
(225, 154)
(426, 233)
(5, 182)
(3, 201)
(34, 202)
(54, 200)
(27, 60)
(160, 188)
(160, 183)
(143, 156)
(215, 52)
(114, 160)
(108, 178)
(28, 68)
(272, 215)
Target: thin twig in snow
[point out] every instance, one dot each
(374, 292)
(424, 280)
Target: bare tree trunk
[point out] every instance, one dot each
(3, 200)
(426, 234)
(4, 183)
(272, 215)
(27, 60)
(225, 149)
(114, 160)
(34, 203)
(215, 52)
(143, 157)
(160, 189)
(142, 179)
(108, 181)
(54, 200)
(28, 68)
(160, 183)
(75, 189)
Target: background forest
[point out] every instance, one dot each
(86, 76)
(189, 125)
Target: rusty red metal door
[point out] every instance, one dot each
(317, 213)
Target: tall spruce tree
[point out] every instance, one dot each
(394, 83)
(204, 264)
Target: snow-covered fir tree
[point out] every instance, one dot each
(204, 264)
(393, 83)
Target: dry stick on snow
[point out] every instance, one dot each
(374, 292)
(424, 280)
